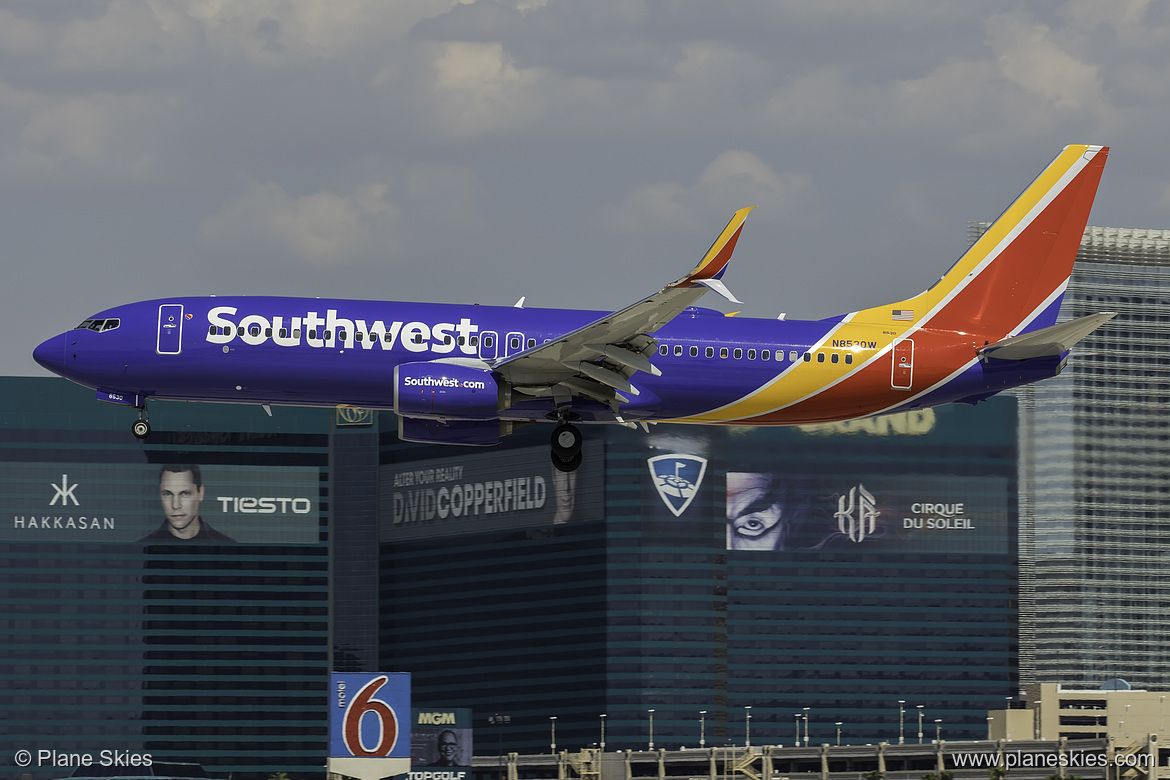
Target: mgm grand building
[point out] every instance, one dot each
(687, 586)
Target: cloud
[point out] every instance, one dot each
(412, 215)
(732, 180)
(325, 228)
(1028, 55)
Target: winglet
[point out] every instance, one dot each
(710, 269)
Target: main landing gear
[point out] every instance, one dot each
(566, 446)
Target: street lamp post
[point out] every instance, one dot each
(603, 733)
(938, 729)
(797, 744)
(747, 725)
(806, 709)
(552, 734)
(989, 720)
(702, 729)
(496, 719)
(920, 706)
(651, 728)
(838, 733)
(901, 721)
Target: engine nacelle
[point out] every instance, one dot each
(446, 391)
(470, 433)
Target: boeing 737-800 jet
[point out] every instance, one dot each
(463, 374)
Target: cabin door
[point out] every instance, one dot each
(902, 376)
(170, 329)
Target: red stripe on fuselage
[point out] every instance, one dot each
(991, 306)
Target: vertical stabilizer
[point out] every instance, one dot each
(1013, 278)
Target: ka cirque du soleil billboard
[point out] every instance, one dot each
(369, 724)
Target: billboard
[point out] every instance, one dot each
(369, 715)
(928, 481)
(484, 491)
(870, 512)
(180, 503)
(440, 739)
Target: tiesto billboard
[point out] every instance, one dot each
(180, 503)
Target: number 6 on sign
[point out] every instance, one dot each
(369, 715)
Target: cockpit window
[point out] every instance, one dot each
(99, 325)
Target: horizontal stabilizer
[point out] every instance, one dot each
(1054, 340)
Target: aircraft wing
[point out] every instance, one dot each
(1053, 340)
(598, 360)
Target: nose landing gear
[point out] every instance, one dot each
(141, 426)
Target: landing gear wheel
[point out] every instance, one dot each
(572, 464)
(566, 440)
(566, 447)
(140, 429)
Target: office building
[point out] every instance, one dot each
(867, 568)
(1095, 478)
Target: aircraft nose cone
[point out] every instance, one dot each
(51, 354)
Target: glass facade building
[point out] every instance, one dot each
(118, 644)
(727, 579)
(1095, 478)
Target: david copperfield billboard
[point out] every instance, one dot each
(159, 504)
(464, 493)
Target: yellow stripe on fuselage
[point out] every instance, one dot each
(805, 380)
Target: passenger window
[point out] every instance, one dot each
(709, 352)
(360, 336)
(297, 333)
(848, 359)
(213, 331)
(514, 343)
(664, 350)
(678, 349)
(723, 352)
(446, 339)
(807, 357)
(240, 331)
(836, 357)
(738, 353)
(327, 335)
(820, 357)
(531, 343)
(284, 333)
(461, 340)
(751, 354)
(417, 337)
(387, 337)
(765, 354)
(268, 332)
(694, 351)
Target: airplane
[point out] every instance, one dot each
(470, 374)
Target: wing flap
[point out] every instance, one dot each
(620, 344)
(1053, 340)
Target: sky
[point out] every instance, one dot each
(580, 154)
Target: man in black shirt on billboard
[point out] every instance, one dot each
(181, 491)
